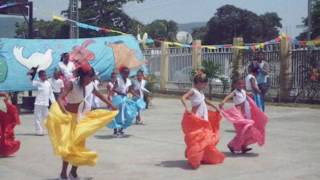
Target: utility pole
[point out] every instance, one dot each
(30, 27)
(30, 23)
(309, 19)
(74, 15)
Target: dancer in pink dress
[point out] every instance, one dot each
(248, 120)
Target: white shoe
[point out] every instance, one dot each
(73, 178)
(39, 133)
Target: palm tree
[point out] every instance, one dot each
(212, 71)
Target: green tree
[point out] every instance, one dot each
(269, 25)
(106, 13)
(162, 29)
(315, 22)
(44, 29)
(230, 21)
(199, 33)
(212, 71)
(102, 13)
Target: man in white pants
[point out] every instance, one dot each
(44, 94)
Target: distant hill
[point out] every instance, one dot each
(7, 25)
(190, 26)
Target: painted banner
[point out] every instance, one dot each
(18, 56)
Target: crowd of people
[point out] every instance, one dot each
(78, 109)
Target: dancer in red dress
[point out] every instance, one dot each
(9, 118)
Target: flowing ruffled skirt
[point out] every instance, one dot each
(140, 103)
(68, 137)
(201, 138)
(248, 131)
(128, 111)
(8, 120)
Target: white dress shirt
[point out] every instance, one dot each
(67, 70)
(56, 84)
(44, 93)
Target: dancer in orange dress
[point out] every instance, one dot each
(9, 118)
(200, 126)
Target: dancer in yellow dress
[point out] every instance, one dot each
(70, 124)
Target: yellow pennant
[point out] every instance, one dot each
(58, 18)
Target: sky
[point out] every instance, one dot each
(186, 11)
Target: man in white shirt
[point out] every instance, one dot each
(44, 94)
(56, 84)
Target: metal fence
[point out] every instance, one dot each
(304, 61)
(180, 65)
(306, 74)
(153, 56)
(221, 57)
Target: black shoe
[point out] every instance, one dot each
(115, 131)
(231, 149)
(245, 150)
(121, 131)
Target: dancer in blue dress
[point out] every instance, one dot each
(128, 109)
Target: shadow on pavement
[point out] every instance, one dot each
(111, 136)
(81, 178)
(249, 155)
(29, 134)
(229, 131)
(6, 157)
(183, 164)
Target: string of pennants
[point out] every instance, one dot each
(8, 5)
(255, 46)
(87, 26)
(252, 46)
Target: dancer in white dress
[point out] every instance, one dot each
(139, 87)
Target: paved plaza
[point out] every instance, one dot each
(155, 151)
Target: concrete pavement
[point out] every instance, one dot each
(155, 151)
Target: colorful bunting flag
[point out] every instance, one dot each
(252, 46)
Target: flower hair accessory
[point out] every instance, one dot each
(85, 67)
(121, 68)
(81, 54)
